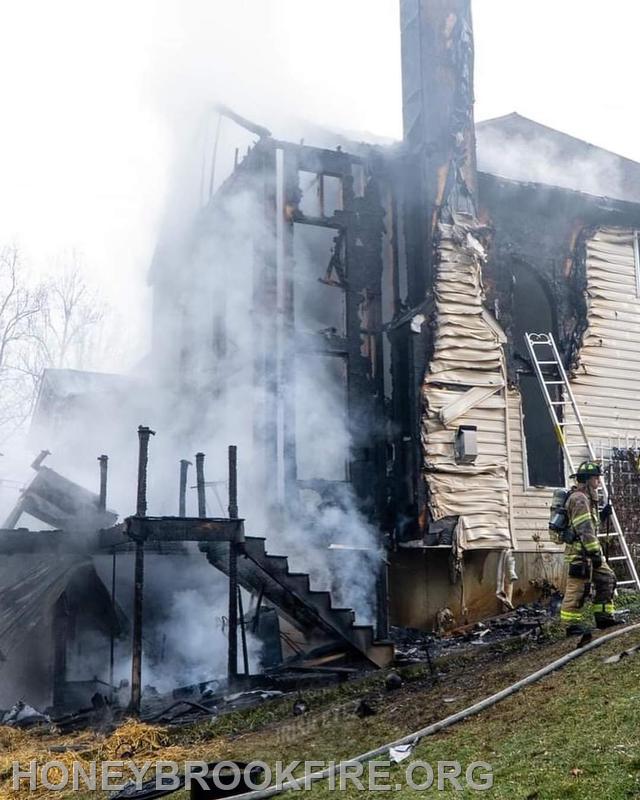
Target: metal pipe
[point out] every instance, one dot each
(259, 130)
(104, 463)
(182, 498)
(37, 462)
(232, 664)
(144, 434)
(202, 500)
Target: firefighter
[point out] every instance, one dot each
(586, 564)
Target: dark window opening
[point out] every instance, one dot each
(543, 453)
(533, 313)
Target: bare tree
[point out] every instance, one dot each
(66, 329)
(54, 323)
(19, 307)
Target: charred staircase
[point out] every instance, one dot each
(309, 610)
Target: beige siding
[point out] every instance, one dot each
(530, 505)
(467, 369)
(606, 383)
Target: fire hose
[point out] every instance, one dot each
(414, 738)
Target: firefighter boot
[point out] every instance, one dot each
(578, 629)
(609, 619)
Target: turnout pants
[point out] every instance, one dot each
(581, 578)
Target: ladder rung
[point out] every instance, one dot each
(560, 402)
(547, 362)
(607, 535)
(617, 558)
(625, 583)
(565, 424)
(553, 383)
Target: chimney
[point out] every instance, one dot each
(439, 136)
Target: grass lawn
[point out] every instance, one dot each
(575, 734)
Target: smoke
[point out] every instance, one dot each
(185, 623)
(215, 397)
(201, 389)
(196, 385)
(537, 154)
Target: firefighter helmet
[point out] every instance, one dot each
(586, 470)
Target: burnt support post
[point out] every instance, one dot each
(382, 598)
(182, 497)
(104, 463)
(144, 434)
(232, 667)
(202, 500)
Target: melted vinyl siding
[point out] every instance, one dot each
(530, 505)
(606, 384)
(467, 353)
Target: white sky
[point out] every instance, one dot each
(97, 97)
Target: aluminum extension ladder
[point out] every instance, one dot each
(546, 340)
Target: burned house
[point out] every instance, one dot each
(404, 278)
(353, 317)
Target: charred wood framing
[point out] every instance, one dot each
(104, 465)
(184, 529)
(23, 541)
(363, 219)
(61, 503)
(182, 490)
(355, 269)
(200, 483)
